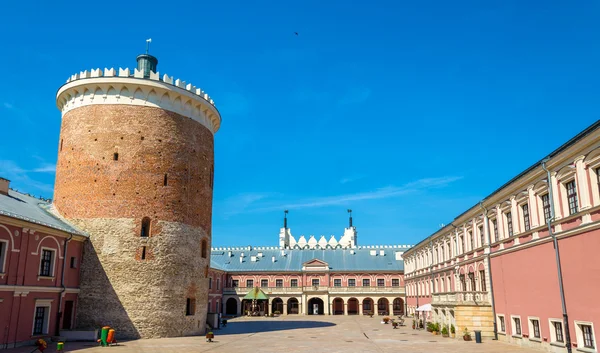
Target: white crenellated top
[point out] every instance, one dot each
(123, 87)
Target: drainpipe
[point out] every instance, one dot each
(62, 284)
(557, 254)
(489, 265)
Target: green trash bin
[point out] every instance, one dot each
(477, 336)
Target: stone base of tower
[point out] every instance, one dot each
(142, 287)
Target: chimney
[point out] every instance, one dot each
(350, 220)
(4, 183)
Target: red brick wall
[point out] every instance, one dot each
(150, 143)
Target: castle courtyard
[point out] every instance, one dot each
(288, 334)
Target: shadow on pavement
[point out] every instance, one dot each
(238, 327)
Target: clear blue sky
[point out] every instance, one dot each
(406, 112)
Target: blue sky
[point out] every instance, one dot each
(406, 112)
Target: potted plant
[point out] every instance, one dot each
(277, 312)
(420, 323)
(429, 327)
(394, 324)
(386, 320)
(210, 336)
(414, 324)
(452, 331)
(466, 335)
(445, 332)
(370, 313)
(41, 344)
(435, 328)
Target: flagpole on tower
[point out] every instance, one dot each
(148, 41)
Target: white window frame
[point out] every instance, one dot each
(499, 325)
(3, 256)
(337, 279)
(531, 332)
(579, 334)
(513, 326)
(553, 340)
(565, 198)
(312, 282)
(52, 267)
(42, 303)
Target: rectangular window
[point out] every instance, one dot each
(249, 283)
(294, 283)
(517, 323)
(3, 247)
(315, 282)
(209, 282)
(495, 223)
(472, 281)
(481, 236)
(502, 324)
(462, 242)
(546, 207)
(278, 283)
(190, 306)
(482, 280)
(366, 282)
(380, 282)
(536, 328)
(395, 282)
(46, 263)
(525, 209)
(73, 262)
(572, 197)
(588, 336)
(337, 282)
(472, 240)
(218, 283)
(463, 283)
(40, 320)
(558, 331)
(235, 283)
(509, 224)
(264, 283)
(351, 282)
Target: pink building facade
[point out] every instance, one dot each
(494, 267)
(217, 279)
(39, 270)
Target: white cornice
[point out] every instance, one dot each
(179, 98)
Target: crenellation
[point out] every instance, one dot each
(96, 73)
(124, 72)
(138, 73)
(110, 72)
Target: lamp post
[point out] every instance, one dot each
(557, 254)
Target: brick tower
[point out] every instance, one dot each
(135, 171)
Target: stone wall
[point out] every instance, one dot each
(142, 298)
(474, 318)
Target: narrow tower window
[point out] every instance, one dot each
(204, 248)
(143, 257)
(116, 156)
(165, 180)
(61, 144)
(145, 232)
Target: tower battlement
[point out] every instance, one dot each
(123, 86)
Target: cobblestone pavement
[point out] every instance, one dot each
(300, 334)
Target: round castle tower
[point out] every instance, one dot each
(135, 171)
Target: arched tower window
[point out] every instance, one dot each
(204, 250)
(145, 231)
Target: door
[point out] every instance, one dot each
(68, 315)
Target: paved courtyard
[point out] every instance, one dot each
(300, 334)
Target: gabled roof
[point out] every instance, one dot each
(344, 260)
(33, 210)
(256, 294)
(315, 262)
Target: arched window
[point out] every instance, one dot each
(204, 249)
(145, 231)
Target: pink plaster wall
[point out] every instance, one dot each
(526, 282)
(22, 269)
